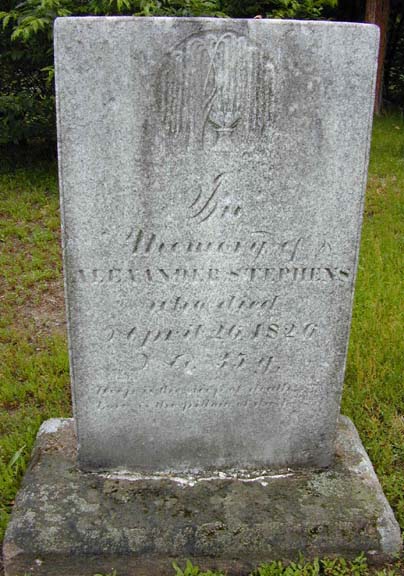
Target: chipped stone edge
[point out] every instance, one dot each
(349, 444)
(54, 425)
(387, 525)
(349, 447)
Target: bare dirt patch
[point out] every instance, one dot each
(48, 316)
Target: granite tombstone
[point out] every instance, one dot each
(212, 179)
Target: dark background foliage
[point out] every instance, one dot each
(26, 49)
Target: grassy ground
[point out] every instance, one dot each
(34, 382)
(374, 382)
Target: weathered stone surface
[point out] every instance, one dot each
(212, 176)
(66, 521)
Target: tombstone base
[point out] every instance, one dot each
(69, 522)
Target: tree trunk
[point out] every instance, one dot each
(377, 12)
(395, 33)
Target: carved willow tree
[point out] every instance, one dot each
(26, 48)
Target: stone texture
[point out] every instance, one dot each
(212, 175)
(66, 521)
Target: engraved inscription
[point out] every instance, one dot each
(192, 328)
(204, 205)
(208, 400)
(149, 337)
(207, 201)
(230, 304)
(257, 244)
(240, 360)
(256, 275)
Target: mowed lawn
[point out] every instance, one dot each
(34, 379)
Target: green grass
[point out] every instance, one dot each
(317, 567)
(34, 381)
(374, 382)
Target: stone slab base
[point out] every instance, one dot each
(67, 522)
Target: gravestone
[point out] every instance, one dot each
(212, 179)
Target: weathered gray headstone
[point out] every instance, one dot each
(212, 175)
